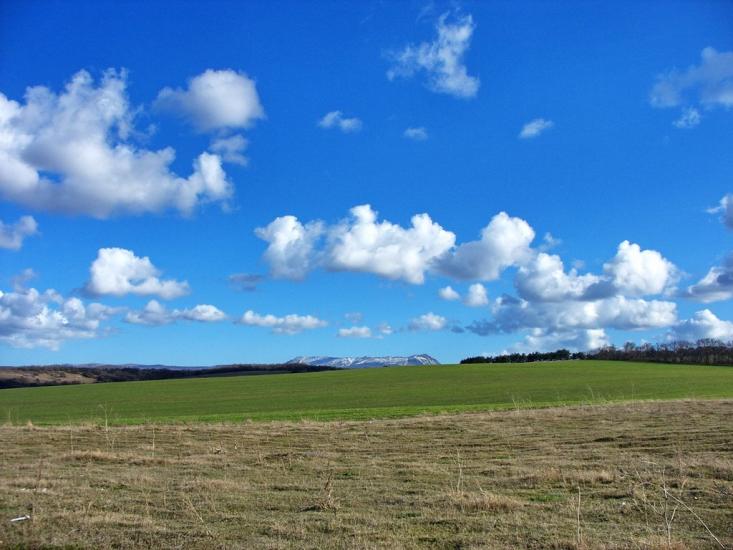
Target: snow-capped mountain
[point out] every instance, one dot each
(363, 362)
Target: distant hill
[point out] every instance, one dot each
(91, 373)
(362, 362)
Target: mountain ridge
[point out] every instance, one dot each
(364, 361)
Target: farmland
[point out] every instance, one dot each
(364, 394)
(589, 454)
(634, 475)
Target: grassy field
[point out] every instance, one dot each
(364, 394)
(655, 475)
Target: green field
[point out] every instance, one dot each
(363, 394)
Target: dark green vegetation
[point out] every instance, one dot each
(57, 375)
(707, 351)
(363, 394)
(624, 476)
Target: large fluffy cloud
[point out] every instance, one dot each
(637, 272)
(543, 279)
(631, 272)
(155, 314)
(29, 318)
(363, 244)
(442, 59)
(72, 152)
(291, 245)
(117, 272)
(214, 100)
(703, 324)
(289, 324)
(359, 243)
(13, 235)
(512, 315)
(504, 242)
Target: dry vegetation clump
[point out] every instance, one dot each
(648, 475)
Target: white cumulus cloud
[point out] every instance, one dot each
(703, 324)
(428, 321)
(336, 119)
(355, 332)
(215, 99)
(512, 315)
(442, 59)
(13, 235)
(543, 279)
(289, 324)
(73, 152)
(291, 246)
(476, 296)
(535, 127)
(31, 319)
(715, 286)
(118, 271)
(447, 293)
(361, 243)
(637, 272)
(504, 242)
(155, 314)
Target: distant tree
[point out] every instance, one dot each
(707, 351)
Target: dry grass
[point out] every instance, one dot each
(586, 477)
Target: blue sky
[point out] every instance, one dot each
(594, 124)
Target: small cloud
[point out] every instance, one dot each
(289, 324)
(476, 296)
(13, 235)
(447, 293)
(689, 119)
(725, 208)
(416, 134)
(385, 329)
(230, 149)
(156, 314)
(336, 119)
(550, 242)
(535, 127)
(442, 59)
(428, 321)
(215, 99)
(118, 272)
(355, 332)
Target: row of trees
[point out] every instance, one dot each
(703, 352)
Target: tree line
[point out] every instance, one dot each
(707, 351)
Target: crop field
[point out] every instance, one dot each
(364, 394)
(652, 475)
